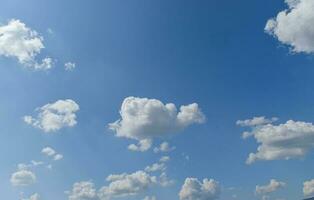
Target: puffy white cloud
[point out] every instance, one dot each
(164, 147)
(123, 185)
(50, 152)
(293, 139)
(54, 116)
(273, 186)
(143, 145)
(34, 196)
(164, 180)
(193, 189)
(58, 157)
(308, 188)
(84, 190)
(156, 167)
(24, 44)
(294, 26)
(23, 178)
(69, 66)
(256, 121)
(143, 118)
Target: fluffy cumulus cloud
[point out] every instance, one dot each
(23, 178)
(193, 189)
(164, 147)
(123, 185)
(293, 139)
(119, 186)
(273, 186)
(143, 145)
(54, 116)
(84, 190)
(294, 26)
(20, 42)
(50, 152)
(143, 118)
(308, 188)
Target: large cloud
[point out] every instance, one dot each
(122, 185)
(193, 189)
(294, 26)
(293, 139)
(24, 44)
(273, 186)
(54, 116)
(308, 188)
(119, 186)
(84, 190)
(143, 118)
(23, 178)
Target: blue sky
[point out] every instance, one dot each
(214, 53)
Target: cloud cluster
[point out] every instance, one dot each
(308, 188)
(164, 147)
(34, 196)
(193, 189)
(54, 116)
(294, 26)
(84, 190)
(143, 145)
(50, 152)
(22, 177)
(24, 44)
(143, 118)
(293, 139)
(122, 185)
(119, 185)
(273, 186)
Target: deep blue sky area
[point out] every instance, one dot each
(212, 52)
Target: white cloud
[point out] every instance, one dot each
(143, 118)
(119, 186)
(164, 159)
(150, 198)
(52, 117)
(123, 185)
(308, 188)
(164, 180)
(293, 139)
(156, 167)
(48, 151)
(164, 147)
(23, 178)
(35, 196)
(256, 121)
(20, 42)
(84, 190)
(58, 157)
(69, 66)
(143, 145)
(294, 26)
(273, 186)
(193, 189)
